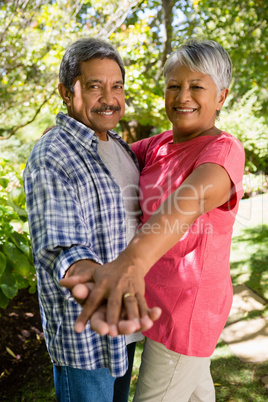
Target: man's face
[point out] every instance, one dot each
(98, 100)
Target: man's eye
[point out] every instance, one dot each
(173, 87)
(197, 87)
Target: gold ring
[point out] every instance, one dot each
(128, 295)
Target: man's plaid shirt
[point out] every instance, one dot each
(75, 211)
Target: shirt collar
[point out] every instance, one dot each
(83, 134)
(86, 136)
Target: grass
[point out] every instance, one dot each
(249, 259)
(234, 381)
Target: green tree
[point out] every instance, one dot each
(35, 33)
(33, 37)
(241, 26)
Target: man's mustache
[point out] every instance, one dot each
(106, 108)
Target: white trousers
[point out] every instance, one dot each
(167, 376)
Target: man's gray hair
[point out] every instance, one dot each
(83, 50)
(205, 56)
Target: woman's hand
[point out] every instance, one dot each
(112, 296)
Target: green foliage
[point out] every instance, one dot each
(16, 263)
(241, 26)
(255, 184)
(144, 81)
(241, 120)
(33, 36)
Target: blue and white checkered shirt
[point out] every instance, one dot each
(75, 212)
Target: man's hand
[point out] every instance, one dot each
(112, 296)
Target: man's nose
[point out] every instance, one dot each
(107, 97)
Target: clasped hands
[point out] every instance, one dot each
(112, 297)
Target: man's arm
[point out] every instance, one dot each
(208, 187)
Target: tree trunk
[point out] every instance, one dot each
(168, 19)
(133, 131)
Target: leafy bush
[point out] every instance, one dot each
(242, 121)
(255, 184)
(16, 263)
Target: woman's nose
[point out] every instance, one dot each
(183, 95)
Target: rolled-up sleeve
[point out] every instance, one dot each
(59, 233)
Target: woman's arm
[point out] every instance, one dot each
(208, 187)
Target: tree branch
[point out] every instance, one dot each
(117, 18)
(29, 121)
(167, 7)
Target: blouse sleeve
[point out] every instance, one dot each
(229, 153)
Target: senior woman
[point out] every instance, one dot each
(190, 186)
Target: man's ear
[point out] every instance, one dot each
(65, 93)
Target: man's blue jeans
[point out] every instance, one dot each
(73, 385)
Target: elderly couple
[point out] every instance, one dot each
(113, 267)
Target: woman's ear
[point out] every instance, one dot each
(222, 97)
(65, 93)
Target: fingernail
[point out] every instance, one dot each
(137, 323)
(79, 327)
(147, 322)
(113, 330)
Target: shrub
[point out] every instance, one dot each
(16, 263)
(242, 121)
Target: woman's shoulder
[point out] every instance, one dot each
(227, 138)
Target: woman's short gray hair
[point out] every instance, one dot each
(83, 50)
(207, 57)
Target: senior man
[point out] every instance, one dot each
(81, 184)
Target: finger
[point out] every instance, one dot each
(97, 295)
(132, 313)
(114, 308)
(98, 322)
(80, 293)
(71, 281)
(127, 327)
(146, 321)
(155, 313)
(131, 306)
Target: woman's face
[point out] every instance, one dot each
(191, 102)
